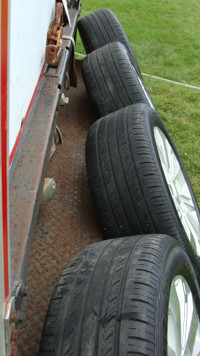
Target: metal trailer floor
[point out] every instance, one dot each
(66, 224)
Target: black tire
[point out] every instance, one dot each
(102, 27)
(127, 180)
(111, 80)
(113, 299)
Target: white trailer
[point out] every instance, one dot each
(30, 90)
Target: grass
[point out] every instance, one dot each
(165, 37)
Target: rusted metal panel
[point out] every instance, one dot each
(27, 178)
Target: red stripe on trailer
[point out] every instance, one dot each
(4, 148)
(26, 117)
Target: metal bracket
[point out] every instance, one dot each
(54, 37)
(49, 188)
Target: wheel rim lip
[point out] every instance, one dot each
(183, 326)
(175, 186)
(146, 94)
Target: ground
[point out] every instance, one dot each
(66, 224)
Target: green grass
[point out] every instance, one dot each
(165, 37)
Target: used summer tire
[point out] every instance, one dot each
(111, 80)
(102, 27)
(129, 296)
(138, 180)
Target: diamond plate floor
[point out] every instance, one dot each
(66, 224)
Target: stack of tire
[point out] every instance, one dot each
(137, 292)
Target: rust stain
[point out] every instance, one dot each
(54, 37)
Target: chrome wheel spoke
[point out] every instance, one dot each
(163, 153)
(192, 229)
(171, 352)
(180, 181)
(176, 169)
(179, 189)
(183, 335)
(192, 343)
(186, 199)
(192, 222)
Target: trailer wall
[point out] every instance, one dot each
(28, 25)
